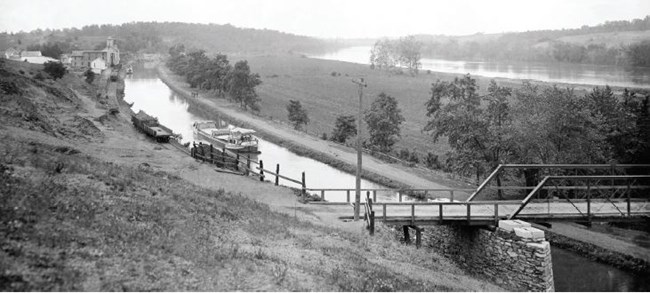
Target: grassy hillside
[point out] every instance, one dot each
(84, 205)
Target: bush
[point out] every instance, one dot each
(39, 76)
(55, 69)
(323, 136)
(413, 158)
(90, 76)
(431, 161)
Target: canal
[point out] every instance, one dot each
(150, 94)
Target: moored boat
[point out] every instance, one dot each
(151, 127)
(232, 138)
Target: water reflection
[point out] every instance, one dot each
(554, 72)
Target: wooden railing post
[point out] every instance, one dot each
(629, 211)
(304, 185)
(237, 162)
(223, 154)
(248, 164)
(440, 211)
(588, 200)
(374, 195)
(412, 214)
(261, 170)
(469, 212)
(322, 194)
(451, 194)
(399, 193)
(211, 154)
(277, 174)
(384, 210)
(372, 223)
(496, 214)
(347, 195)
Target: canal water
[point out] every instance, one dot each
(599, 75)
(150, 94)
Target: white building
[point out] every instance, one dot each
(98, 65)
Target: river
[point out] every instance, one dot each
(634, 77)
(150, 94)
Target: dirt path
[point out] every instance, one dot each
(281, 131)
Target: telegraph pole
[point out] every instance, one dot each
(357, 196)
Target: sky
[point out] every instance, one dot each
(328, 19)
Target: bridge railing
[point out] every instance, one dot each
(551, 170)
(476, 212)
(581, 192)
(401, 195)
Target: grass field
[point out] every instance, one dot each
(325, 96)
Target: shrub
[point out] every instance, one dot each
(55, 69)
(323, 136)
(431, 161)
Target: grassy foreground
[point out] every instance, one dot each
(70, 220)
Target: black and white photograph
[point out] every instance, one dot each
(325, 145)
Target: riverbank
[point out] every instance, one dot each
(89, 203)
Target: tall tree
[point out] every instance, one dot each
(383, 120)
(344, 128)
(241, 85)
(297, 114)
(409, 53)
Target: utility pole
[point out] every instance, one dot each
(357, 196)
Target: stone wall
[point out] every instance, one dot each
(514, 256)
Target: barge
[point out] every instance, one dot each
(151, 127)
(232, 138)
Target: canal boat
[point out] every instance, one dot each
(151, 127)
(232, 138)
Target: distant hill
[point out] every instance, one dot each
(158, 36)
(614, 43)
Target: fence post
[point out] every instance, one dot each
(322, 194)
(237, 162)
(452, 195)
(372, 223)
(304, 185)
(496, 214)
(407, 237)
(440, 211)
(223, 156)
(348, 195)
(469, 212)
(211, 154)
(374, 195)
(248, 164)
(277, 174)
(399, 193)
(588, 200)
(384, 210)
(629, 211)
(261, 170)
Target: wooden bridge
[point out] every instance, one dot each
(576, 193)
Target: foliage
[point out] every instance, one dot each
(297, 114)
(639, 53)
(545, 46)
(389, 54)
(90, 76)
(383, 120)
(344, 128)
(241, 85)
(53, 50)
(55, 69)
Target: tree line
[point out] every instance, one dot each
(237, 83)
(536, 125)
(545, 46)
